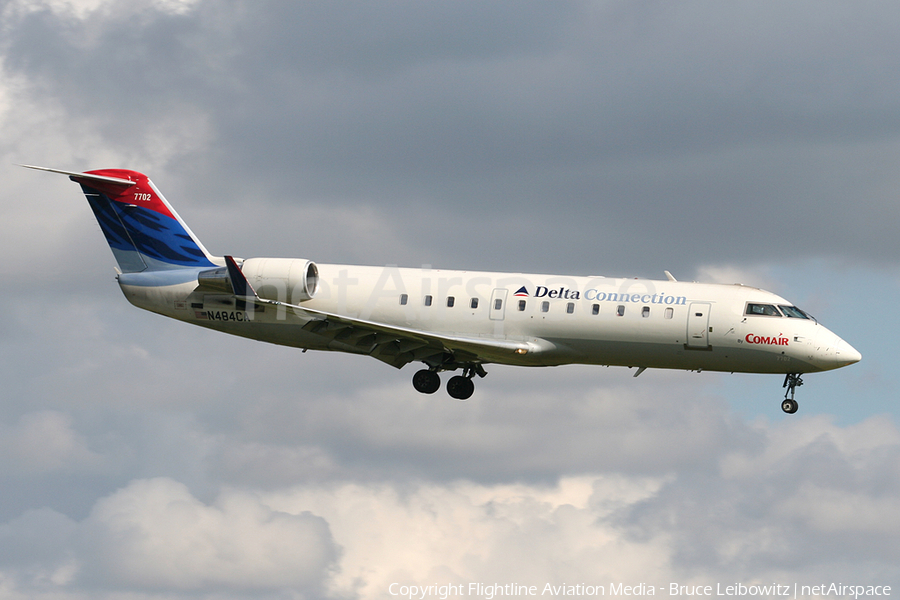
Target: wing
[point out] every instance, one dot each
(392, 344)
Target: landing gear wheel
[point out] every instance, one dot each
(426, 382)
(791, 382)
(789, 405)
(460, 387)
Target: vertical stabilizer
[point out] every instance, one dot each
(143, 231)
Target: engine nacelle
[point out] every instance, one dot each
(290, 280)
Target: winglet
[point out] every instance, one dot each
(669, 276)
(239, 283)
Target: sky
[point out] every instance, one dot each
(753, 142)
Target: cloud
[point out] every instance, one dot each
(36, 549)
(590, 117)
(511, 433)
(85, 9)
(749, 515)
(153, 534)
(45, 442)
(776, 500)
(462, 532)
(796, 502)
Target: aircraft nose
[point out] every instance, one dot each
(834, 352)
(845, 354)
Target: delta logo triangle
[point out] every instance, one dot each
(521, 292)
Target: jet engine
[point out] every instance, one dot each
(290, 280)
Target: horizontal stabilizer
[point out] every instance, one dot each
(85, 176)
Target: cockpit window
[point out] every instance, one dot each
(767, 310)
(793, 311)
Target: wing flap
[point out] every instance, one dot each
(392, 344)
(398, 346)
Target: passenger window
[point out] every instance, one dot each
(474, 303)
(620, 310)
(521, 305)
(570, 307)
(427, 300)
(498, 304)
(545, 306)
(403, 299)
(670, 312)
(450, 301)
(766, 310)
(595, 309)
(645, 312)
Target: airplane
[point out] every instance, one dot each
(450, 320)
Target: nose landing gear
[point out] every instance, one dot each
(791, 382)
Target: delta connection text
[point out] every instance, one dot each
(492, 591)
(543, 291)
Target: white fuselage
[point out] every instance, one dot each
(559, 319)
(449, 320)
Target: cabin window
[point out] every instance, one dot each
(595, 309)
(521, 305)
(645, 312)
(427, 300)
(473, 303)
(450, 301)
(620, 310)
(570, 308)
(545, 306)
(765, 310)
(498, 303)
(670, 312)
(404, 298)
(793, 311)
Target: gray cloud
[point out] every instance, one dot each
(155, 535)
(803, 497)
(592, 117)
(804, 502)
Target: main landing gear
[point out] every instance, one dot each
(426, 381)
(791, 382)
(461, 387)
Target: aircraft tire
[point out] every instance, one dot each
(426, 382)
(789, 405)
(460, 387)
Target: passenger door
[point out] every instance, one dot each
(698, 325)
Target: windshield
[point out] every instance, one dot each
(793, 311)
(767, 310)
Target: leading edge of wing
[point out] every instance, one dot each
(472, 345)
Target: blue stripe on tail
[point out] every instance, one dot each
(143, 239)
